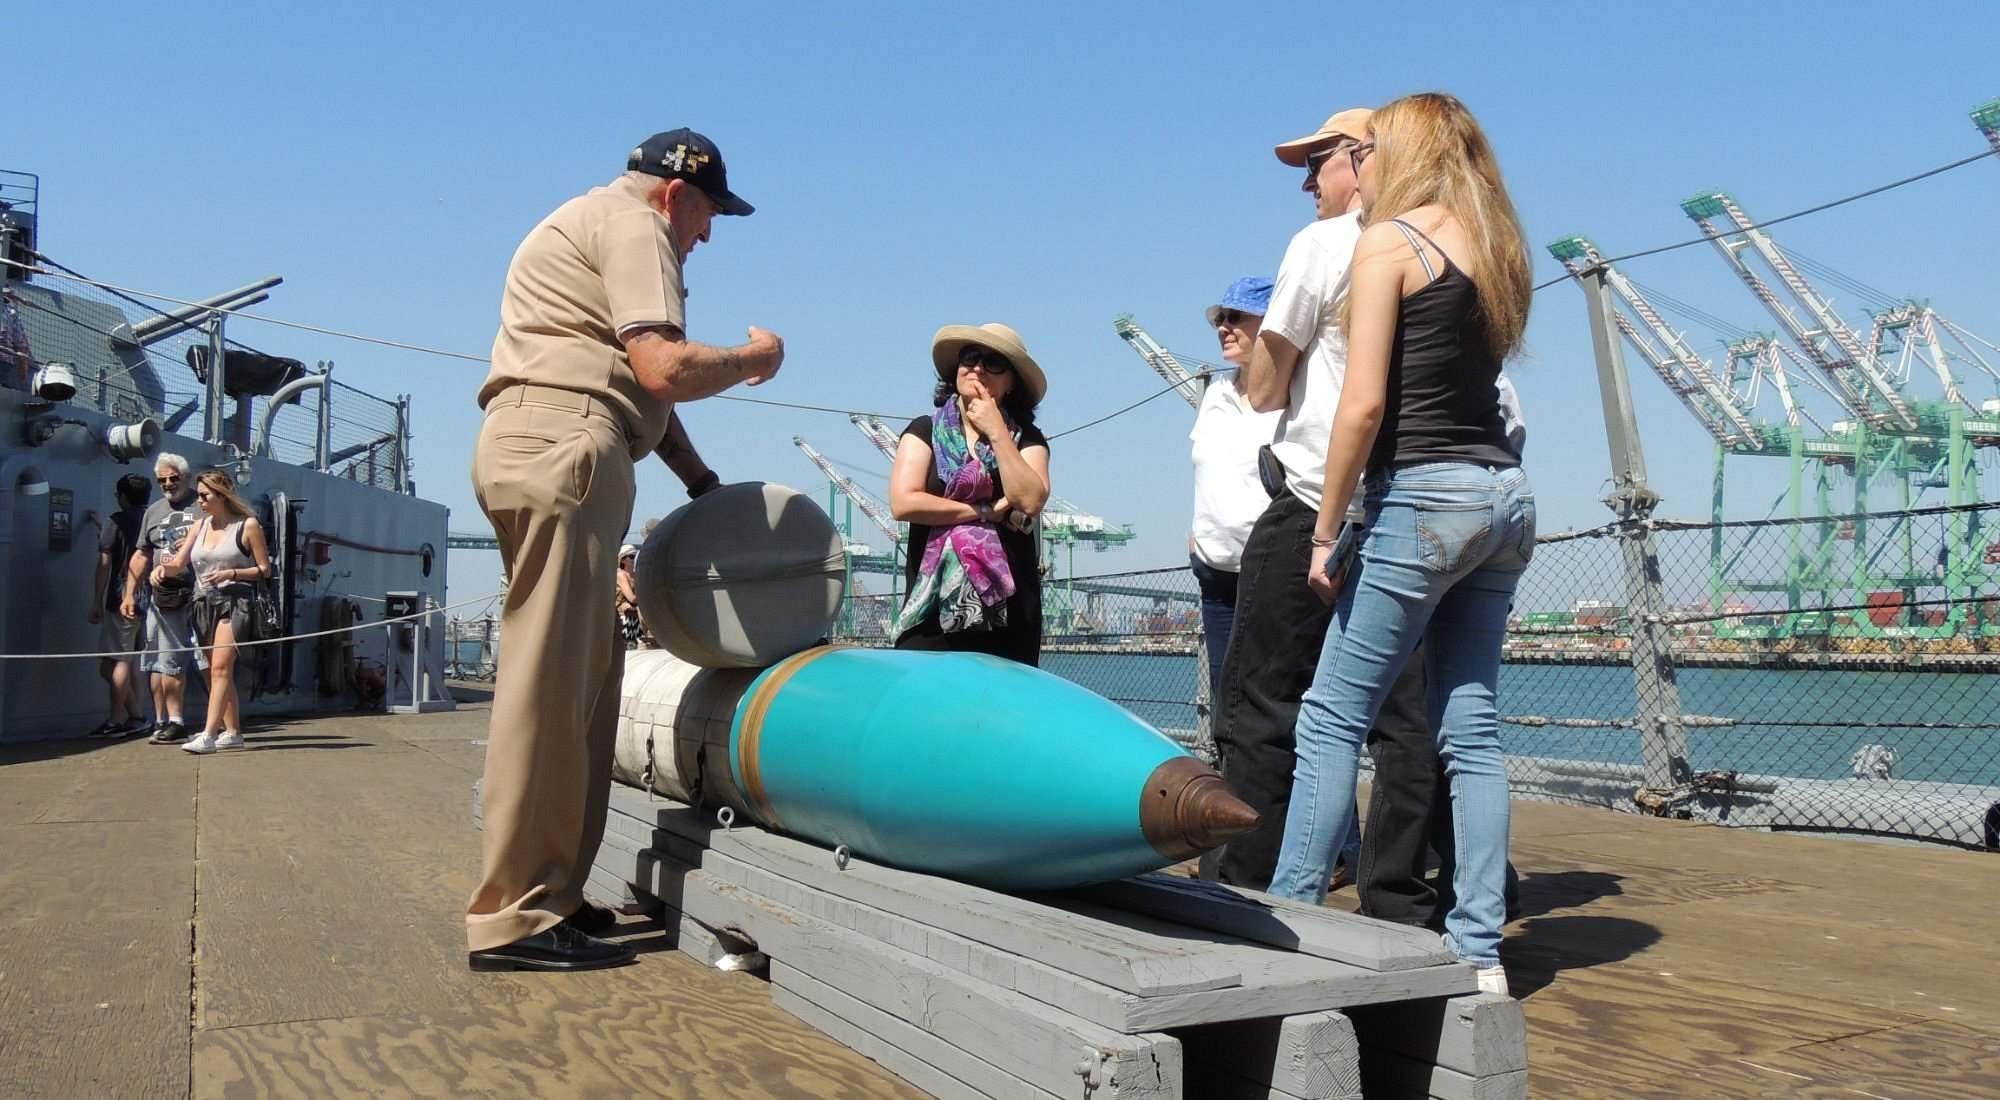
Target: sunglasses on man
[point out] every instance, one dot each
(1317, 161)
(989, 362)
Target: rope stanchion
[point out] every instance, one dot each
(377, 624)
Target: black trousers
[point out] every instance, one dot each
(1273, 649)
(1409, 813)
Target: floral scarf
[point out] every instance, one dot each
(964, 571)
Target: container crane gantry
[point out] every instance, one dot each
(1864, 387)
(1986, 116)
(861, 558)
(1172, 369)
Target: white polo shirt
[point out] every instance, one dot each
(1304, 311)
(1228, 495)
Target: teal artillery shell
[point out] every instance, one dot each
(957, 764)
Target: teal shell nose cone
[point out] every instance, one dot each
(972, 767)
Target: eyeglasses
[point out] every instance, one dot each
(174, 479)
(1358, 153)
(1234, 318)
(1317, 161)
(991, 362)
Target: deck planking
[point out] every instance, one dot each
(1658, 959)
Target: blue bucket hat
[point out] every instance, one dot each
(1250, 294)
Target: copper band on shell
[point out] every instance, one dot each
(749, 772)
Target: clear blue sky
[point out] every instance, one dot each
(920, 164)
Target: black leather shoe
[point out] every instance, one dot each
(563, 947)
(593, 919)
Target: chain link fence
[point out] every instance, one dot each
(472, 648)
(1837, 673)
(365, 438)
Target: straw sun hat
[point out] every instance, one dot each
(953, 339)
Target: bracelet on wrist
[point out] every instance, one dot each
(1317, 541)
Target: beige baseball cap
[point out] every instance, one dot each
(1352, 123)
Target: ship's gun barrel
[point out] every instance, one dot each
(162, 325)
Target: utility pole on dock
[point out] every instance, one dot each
(1662, 737)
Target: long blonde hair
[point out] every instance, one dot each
(1429, 149)
(222, 485)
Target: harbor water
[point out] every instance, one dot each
(1802, 724)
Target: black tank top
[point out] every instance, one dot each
(1442, 402)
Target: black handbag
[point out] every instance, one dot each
(172, 591)
(263, 614)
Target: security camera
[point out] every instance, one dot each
(55, 382)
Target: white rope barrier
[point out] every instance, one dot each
(260, 641)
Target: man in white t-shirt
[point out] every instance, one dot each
(1296, 366)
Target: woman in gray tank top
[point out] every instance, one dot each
(229, 557)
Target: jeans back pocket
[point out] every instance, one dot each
(1452, 534)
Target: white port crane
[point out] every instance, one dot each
(1864, 387)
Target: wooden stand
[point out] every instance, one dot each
(1157, 987)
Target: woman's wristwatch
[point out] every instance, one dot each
(985, 513)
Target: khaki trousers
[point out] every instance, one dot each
(553, 473)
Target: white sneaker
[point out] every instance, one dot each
(230, 740)
(1493, 979)
(201, 744)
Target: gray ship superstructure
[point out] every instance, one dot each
(94, 383)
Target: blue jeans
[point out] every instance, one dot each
(1445, 546)
(1218, 615)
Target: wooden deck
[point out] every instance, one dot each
(285, 922)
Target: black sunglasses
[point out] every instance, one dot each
(1317, 161)
(991, 362)
(174, 480)
(1232, 317)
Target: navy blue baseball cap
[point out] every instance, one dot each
(1250, 294)
(685, 155)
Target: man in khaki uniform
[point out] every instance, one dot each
(591, 356)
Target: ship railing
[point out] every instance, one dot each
(136, 359)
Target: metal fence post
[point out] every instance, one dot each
(323, 445)
(1204, 695)
(1662, 737)
(403, 443)
(211, 421)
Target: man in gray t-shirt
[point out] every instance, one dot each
(170, 638)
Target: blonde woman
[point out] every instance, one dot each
(228, 555)
(1438, 299)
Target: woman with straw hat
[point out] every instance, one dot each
(970, 480)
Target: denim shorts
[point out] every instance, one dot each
(170, 642)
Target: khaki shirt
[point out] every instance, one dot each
(602, 264)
